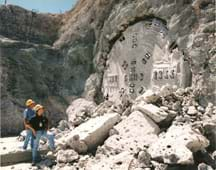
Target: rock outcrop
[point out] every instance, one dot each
(138, 76)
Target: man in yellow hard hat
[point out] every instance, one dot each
(39, 126)
(28, 114)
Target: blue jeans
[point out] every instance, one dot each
(39, 134)
(27, 138)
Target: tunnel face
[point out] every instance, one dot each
(144, 57)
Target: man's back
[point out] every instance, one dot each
(28, 114)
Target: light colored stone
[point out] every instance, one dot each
(120, 161)
(192, 110)
(83, 161)
(159, 166)
(135, 131)
(155, 113)
(201, 109)
(149, 97)
(20, 166)
(91, 133)
(214, 155)
(65, 167)
(180, 91)
(178, 145)
(204, 166)
(67, 156)
(164, 108)
(11, 151)
(157, 66)
(80, 108)
(166, 90)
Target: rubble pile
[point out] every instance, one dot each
(164, 129)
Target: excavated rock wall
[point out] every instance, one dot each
(64, 50)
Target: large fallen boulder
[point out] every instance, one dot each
(135, 131)
(79, 110)
(155, 113)
(177, 145)
(89, 134)
(11, 151)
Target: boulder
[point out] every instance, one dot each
(204, 166)
(67, 156)
(209, 126)
(203, 156)
(79, 110)
(192, 111)
(149, 97)
(166, 90)
(177, 145)
(135, 131)
(63, 124)
(155, 113)
(11, 151)
(90, 134)
(120, 161)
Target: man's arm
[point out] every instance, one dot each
(28, 126)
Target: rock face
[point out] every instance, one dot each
(116, 51)
(32, 68)
(144, 56)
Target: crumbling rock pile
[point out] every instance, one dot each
(171, 131)
(166, 129)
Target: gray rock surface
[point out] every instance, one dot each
(120, 48)
(67, 156)
(11, 151)
(121, 161)
(79, 110)
(89, 134)
(129, 138)
(155, 113)
(177, 145)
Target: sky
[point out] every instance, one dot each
(51, 6)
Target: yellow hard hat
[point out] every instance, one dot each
(29, 102)
(38, 107)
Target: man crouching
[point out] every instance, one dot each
(40, 125)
